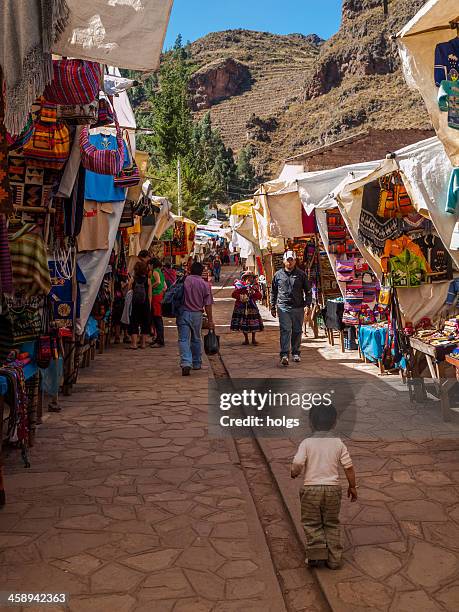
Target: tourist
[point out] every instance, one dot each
(158, 286)
(289, 295)
(246, 316)
(140, 285)
(197, 296)
(217, 268)
(320, 457)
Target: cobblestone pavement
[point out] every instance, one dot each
(402, 536)
(129, 506)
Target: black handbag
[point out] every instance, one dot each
(211, 343)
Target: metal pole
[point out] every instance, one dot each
(179, 187)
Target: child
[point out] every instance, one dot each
(246, 316)
(320, 497)
(140, 286)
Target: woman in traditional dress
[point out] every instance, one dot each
(246, 316)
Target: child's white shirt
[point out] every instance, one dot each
(321, 458)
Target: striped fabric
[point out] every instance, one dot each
(49, 146)
(29, 261)
(75, 82)
(6, 272)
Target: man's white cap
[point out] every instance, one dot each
(289, 255)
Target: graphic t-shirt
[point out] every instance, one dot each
(448, 101)
(100, 187)
(446, 61)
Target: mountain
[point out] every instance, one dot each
(242, 73)
(286, 94)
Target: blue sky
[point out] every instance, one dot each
(195, 18)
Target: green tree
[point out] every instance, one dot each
(209, 171)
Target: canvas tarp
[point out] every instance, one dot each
(424, 168)
(417, 42)
(276, 213)
(124, 33)
(94, 264)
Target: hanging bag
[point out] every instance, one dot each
(49, 146)
(211, 343)
(129, 176)
(105, 114)
(345, 270)
(394, 200)
(78, 114)
(75, 81)
(103, 161)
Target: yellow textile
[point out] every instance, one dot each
(136, 228)
(242, 209)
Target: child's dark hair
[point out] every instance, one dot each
(140, 269)
(322, 418)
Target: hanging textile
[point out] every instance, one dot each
(6, 203)
(374, 230)
(6, 271)
(74, 206)
(29, 261)
(30, 186)
(29, 30)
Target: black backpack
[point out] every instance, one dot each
(139, 295)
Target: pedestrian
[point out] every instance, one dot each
(289, 295)
(197, 297)
(140, 285)
(246, 316)
(320, 497)
(170, 275)
(217, 268)
(144, 256)
(158, 287)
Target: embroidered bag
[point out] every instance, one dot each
(75, 81)
(130, 175)
(384, 295)
(49, 146)
(394, 200)
(103, 161)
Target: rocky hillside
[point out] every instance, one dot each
(290, 93)
(245, 79)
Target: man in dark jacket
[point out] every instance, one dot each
(289, 295)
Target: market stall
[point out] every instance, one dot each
(67, 158)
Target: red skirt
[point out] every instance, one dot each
(156, 304)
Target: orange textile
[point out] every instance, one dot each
(395, 247)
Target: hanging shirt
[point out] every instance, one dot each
(95, 228)
(448, 101)
(398, 246)
(100, 187)
(446, 60)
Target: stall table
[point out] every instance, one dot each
(436, 357)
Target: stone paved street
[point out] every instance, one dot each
(129, 506)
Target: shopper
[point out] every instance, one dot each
(158, 287)
(246, 316)
(320, 457)
(289, 295)
(197, 297)
(217, 268)
(170, 275)
(140, 285)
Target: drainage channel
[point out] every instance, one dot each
(299, 587)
